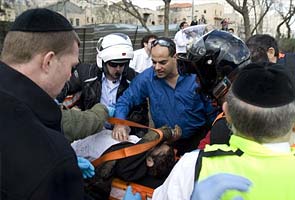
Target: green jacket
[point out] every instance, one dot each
(78, 124)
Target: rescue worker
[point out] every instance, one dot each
(172, 97)
(262, 125)
(37, 161)
(105, 81)
(216, 58)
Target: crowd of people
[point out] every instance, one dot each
(222, 112)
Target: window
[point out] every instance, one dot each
(205, 11)
(72, 21)
(77, 22)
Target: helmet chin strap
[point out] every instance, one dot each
(223, 86)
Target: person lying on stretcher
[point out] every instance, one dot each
(149, 168)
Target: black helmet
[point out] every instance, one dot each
(214, 57)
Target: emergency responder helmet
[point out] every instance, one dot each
(115, 47)
(215, 57)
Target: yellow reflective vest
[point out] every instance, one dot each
(272, 173)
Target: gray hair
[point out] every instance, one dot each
(260, 124)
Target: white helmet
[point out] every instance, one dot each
(115, 46)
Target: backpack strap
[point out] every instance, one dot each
(131, 150)
(217, 152)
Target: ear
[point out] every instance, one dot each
(145, 44)
(225, 110)
(271, 54)
(149, 161)
(47, 60)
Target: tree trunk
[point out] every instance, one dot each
(247, 25)
(166, 17)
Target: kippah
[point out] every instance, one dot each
(264, 85)
(41, 20)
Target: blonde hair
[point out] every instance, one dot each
(20, 47)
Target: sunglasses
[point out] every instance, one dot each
(161, 42)
(112, 64)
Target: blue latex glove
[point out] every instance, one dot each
(130, 196)
(111, 110)
(213, 187)
(86, 167)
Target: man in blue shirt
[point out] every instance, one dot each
(173, 98)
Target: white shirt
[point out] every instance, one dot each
(180, 41)
(93, 146)
(109, 91)
(180, 183)
(141, 60)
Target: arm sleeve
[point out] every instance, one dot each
(134, 95)
(78, 124)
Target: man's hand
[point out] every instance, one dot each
(121, 132)
(86, 167)
(213, 187)
(130, 196)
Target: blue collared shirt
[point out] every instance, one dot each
(169, 106)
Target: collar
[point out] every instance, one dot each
(255, 148)
(27, 92)
(283, 147)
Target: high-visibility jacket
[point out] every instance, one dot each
(272, 173)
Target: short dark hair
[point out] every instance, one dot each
(182, 24)
(163, 163)
(263, 41)
(146, 39)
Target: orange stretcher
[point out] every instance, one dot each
(119, 187)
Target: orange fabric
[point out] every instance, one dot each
(128, 151)
(219, 116)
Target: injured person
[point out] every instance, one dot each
(149, 168)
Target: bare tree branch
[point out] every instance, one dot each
(262, 15)
(129, 7)
(286, 18)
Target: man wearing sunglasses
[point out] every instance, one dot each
(173, 98)
(105, 81)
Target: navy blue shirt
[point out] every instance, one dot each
(169, 106)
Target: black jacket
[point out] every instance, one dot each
(87, 78)
(37, 162)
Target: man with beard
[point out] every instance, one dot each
(105, 81)
(173, 98)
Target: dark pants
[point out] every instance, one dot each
(189, 144)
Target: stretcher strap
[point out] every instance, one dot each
(219, 116)
(128, 151)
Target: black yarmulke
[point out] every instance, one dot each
(41, 20)
(264, 85)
